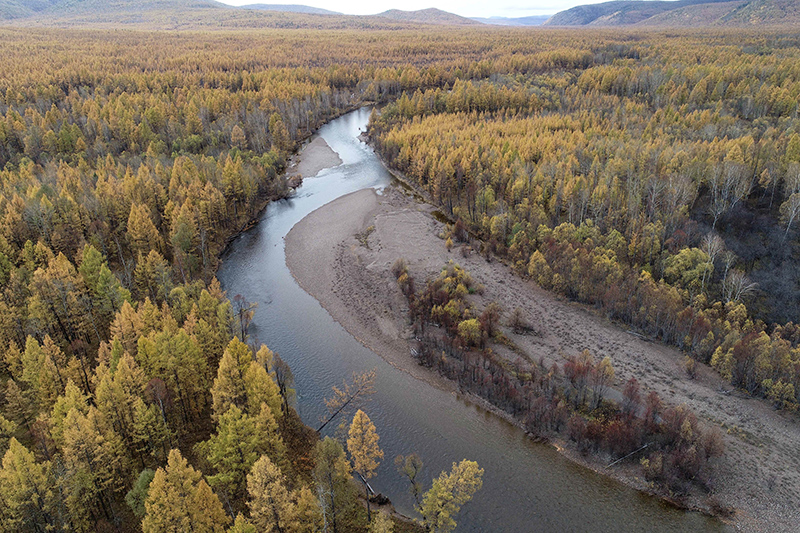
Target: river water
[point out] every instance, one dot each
(527, 487)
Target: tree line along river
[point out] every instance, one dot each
(527, 486)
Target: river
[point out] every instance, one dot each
(527, 486)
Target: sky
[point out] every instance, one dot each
(466, 8)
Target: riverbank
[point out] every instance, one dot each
(311, 158)
(338, 259)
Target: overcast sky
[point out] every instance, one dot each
(467, 8)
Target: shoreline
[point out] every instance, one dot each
(312, 155)
(397, 354)
(355, 290)
(767, 500)
(292, 163)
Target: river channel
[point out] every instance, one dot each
(528, 487)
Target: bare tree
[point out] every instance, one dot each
(712, 245)
(285, 379)
(790, 209)
(245, 311)
(736, 285)
(679, 192)
(729, 259)
(654, 190)
(728, 185)
(348, 396)
(411, 466)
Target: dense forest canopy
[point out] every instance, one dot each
(609, 167)
(128, 159)
(656, 180)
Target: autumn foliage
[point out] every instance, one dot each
(595, 163)
(630, 176)
(568, 400)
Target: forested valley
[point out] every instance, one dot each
(614, 169)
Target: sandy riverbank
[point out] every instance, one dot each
(322, 253)
(312, 157)
(760, 474)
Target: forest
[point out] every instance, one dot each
(569, 399)
(611, 168)
(657, 183)
(132, 397)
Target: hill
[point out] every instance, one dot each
(18, 9)
(693, 16)
(427, 16)
(760, 12)
(291, 8)
(534, 20)
(115, 6)
(617, 12)
(207, 14)
(181, 15)
(12, 9)
(681, 13)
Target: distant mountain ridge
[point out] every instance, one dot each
(130, 5)
(199, 14)
(202, 14)
(11, 9)
(291, 8)
(681, 13)
(180, 15)
(16, 9)
(533, 20)
(428, 16)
